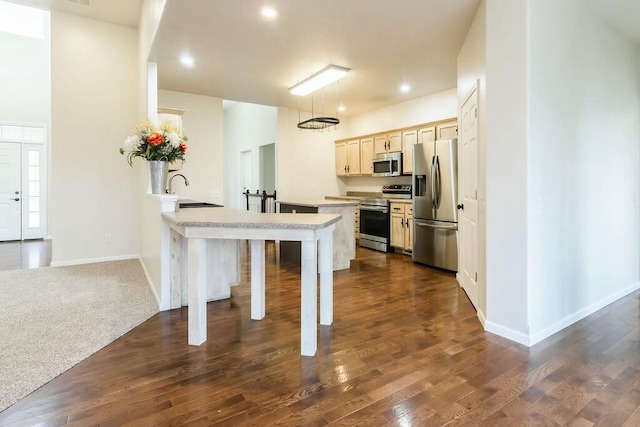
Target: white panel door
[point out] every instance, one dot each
(468, 218)
(10, 192)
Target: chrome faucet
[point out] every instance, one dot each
(168, 190)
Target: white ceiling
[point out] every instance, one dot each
(239, 56)
(124, 12)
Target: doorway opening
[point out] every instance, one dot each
(23, 182)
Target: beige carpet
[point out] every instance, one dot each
(53, 318)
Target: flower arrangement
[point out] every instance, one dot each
(152, 142)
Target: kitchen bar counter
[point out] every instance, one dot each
(193, 229)
(344, 246)
(321, 203)
(359, 198)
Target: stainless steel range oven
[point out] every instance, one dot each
(375, 217)
(374, 224)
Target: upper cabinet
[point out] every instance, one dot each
(409, 139)
(355, 156)
(341, 158)
(366, 156)
(348, 158)
(388, 143)
(426, 134)
(447, 130)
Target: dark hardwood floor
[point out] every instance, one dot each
(26, 254)
(405, 349)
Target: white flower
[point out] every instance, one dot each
(132, 142)
(174, 139)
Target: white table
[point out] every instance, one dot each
(313, 231)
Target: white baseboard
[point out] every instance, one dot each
(482, 317)
(503, 331)
(534, 338)
(581, 314)
(150, 283)
(93, 260)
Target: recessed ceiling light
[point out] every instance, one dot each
(405, 88)
(341, 108)
(269, 12)
(187, 61)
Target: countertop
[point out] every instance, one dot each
(237, 218)
(358, 199)
(321, 203)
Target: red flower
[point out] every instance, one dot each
(183, 147)
(155, 139)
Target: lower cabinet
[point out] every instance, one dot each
(402, 226)
(357, 221)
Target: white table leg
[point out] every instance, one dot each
(197, 279)
(257, 280)
(326, 279)
(309, 298)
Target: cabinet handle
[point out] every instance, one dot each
(347, 168)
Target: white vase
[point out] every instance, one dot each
(158, 171)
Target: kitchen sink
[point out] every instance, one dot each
(183, 204)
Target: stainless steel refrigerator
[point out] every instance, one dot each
(435, 196)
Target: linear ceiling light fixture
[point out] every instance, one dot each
(322, 78)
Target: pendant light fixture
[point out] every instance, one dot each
(319, 80)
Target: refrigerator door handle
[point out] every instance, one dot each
(432, 225)
(438, 183)
(433, 182)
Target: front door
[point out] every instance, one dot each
(10, 194)
(468, 218)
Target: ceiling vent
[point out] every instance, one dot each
(81, 2)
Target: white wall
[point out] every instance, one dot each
(471, 72)
(25, 85)
(246, 127)
(202, 124)
(506, 169)
(94, 103)
(25, 79)
(430, 108)
(583, 165)
(306, 159)
(150, 18)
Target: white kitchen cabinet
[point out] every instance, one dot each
(366, 156)
(408, 231)
(388, 143)
(402, 226)
(357, 224)
(447, 130)
(341, 159)
(426, 134)
(409, 139)
(353, 157)
(348, 158)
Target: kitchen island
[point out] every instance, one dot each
(344, 239)
(200, 264)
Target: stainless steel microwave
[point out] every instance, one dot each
(389, 164)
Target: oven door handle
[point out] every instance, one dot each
(374, 208)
